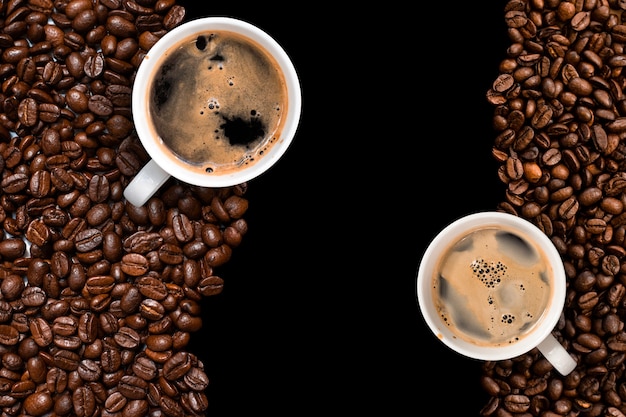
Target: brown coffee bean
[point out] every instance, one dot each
(130, 300)
(145, 368)
(195, 401)
(120, 27)
(111, 246)
(211, 285)
(182, 226)
(589, 340)
(14, 183)
(127, 338)
(211, 235)
(41, 331)
(38, 232)
(143, 242)
(100, 284)
(89, 370)
(170, 254)
(134, 264)
(177, 366)
(128, 163)
(84, 401)
(38, 403)
(151, 287)
(589, 196)
(12, 248)
(195, 249)
(218, 256)
(115, 402)
(12, 287)
(174, 17)
(33, 297)
(151, 309)
(88, 239)
(40, 183)
(61, 179)
(133, 387)
(197, 380)
(99, 104)
(64, 326)
(49, 112)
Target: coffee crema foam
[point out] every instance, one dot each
(492, 287)
(218, 101)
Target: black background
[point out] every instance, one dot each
(318, 312)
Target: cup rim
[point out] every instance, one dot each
(458, 228)
(155, 55)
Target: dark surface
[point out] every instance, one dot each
(318, 312)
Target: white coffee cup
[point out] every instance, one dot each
(165, 164)
(516, 293)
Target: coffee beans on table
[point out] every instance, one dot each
(560, 123)
(98, 298)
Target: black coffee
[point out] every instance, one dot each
(218, 101)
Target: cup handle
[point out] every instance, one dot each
(556, 354)
(145, 184)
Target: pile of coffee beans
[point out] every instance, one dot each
(560, 117)
(98, 298)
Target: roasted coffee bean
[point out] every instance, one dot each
(12, 287)
(218, 256)
(9, 335)
(108, 321)
(177, 366)
(211, 285)
(99, 104)
(112, 249)
(171, 254)
(188, 323)
(145, 368)
(133, 387)
(33, 297)
(14, 183)
(84, 401)
(182, 226)
(143, 242)
(94, 64)
(127, 338)
(65, 326)
(12, 248)
(99, 189)
(211, 235)
(100, 284)
(41, 331)
(134, 264)
(38, 403)
(89, 370)
(151, 309)
(38, 232)
(115, 402)
(197, 380)
(88, 239)
(194, 401)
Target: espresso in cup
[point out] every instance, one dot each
(492, 286)
(217, 101)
